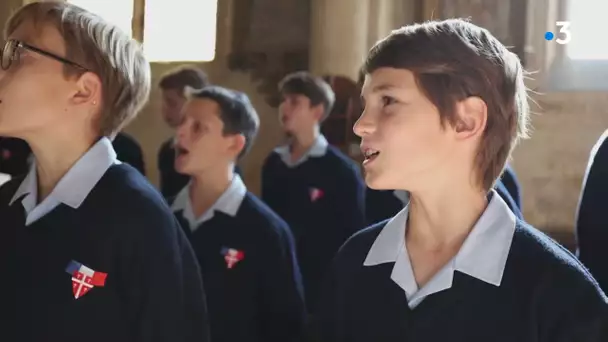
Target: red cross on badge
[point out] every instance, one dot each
(84, 278)
(315, 194)
(6, 154)
(232, 256)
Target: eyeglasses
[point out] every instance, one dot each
(11, 53)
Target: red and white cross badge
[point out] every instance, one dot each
(232, 256)
(84, 278)
(315, 194)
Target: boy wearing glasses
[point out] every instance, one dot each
(94, 252)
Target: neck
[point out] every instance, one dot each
(55, 155)
(439, 219)
(206, 187)
(303, 141)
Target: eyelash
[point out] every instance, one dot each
(387, 101)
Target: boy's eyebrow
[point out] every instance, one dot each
(379, 87)
(382, 87)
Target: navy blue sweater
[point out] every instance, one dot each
(128, 151)
(323, 201)
(592, 216)
(171, 182)
(545, 296)
(260, 297)
(14, 155)
(509, 180)
(153, 289)
(504, 193)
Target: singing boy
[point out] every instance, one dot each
(313, 186)
(445, 103)
(245, 250)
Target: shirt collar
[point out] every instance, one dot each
(483, 255)
(402, 195)
(318, 149)
(4, 178)
(75, 185)
(228, 203)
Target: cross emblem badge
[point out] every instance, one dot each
(84, 278)
(232, 256)
(315, 194)
(6, 154)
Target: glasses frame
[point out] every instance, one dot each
(17, 44)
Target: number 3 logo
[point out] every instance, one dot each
(564, 28)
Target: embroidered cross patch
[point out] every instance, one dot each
(232, 256)
(84, 278)
(316, 194)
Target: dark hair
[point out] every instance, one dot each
(236, 112)
(182, 77)
(452, 60)
(314, 88)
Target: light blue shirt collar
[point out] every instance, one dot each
(228, 203)
(73, 188)
(402, 195)
(318, 149)
(4, 178)
(483, 255)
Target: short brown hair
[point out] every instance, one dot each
(236, 112)
(103, 49)
(184, 77)
(452, 60)
(314, 88)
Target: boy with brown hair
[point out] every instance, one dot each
(172, 86)
(96, 252)
(445, 103)
(246, 252)
(313, 186)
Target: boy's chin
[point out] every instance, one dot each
(181, 167)
(378, 182)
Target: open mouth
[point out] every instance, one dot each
(180, 151)
(369, 155)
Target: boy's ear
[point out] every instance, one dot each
(237, 145)
(88, 90)
(318, 111)
(472, 116)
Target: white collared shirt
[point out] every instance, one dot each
(73, 188)
(318, 149)
(483, 254)
(402, 195)
(4, 178)
(228, 203)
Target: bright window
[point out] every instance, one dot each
(588, 38)
(118, 12)
(180, 30)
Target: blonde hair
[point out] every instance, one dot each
(103, 49)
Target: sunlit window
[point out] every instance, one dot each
(586, 25)
(118, 12)
(180, 30)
